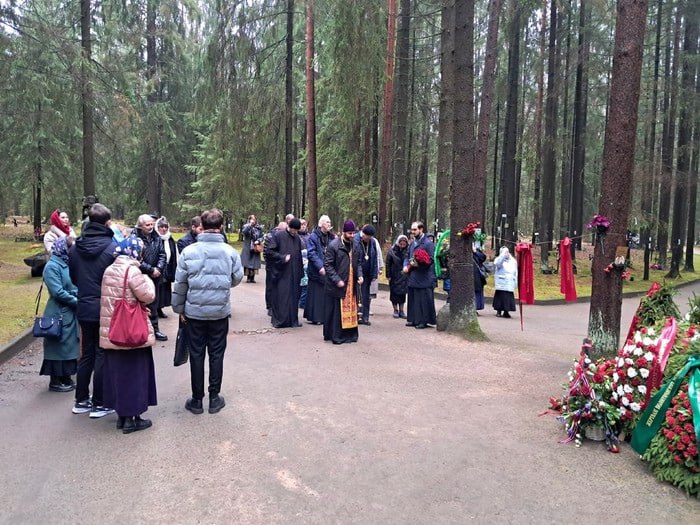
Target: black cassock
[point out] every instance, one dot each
(285, 277)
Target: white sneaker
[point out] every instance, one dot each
(100, 412)
(81, 407)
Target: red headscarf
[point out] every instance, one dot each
(56, 221)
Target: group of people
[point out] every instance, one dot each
(87, 276)
(341, 274)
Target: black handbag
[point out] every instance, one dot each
(182, 343)
(46, 326)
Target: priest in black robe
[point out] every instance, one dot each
(284, 263)
(342, 287)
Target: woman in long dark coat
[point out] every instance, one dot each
(129, 373)
(398, 280)
(479, 278)
(252, 248)
(165, 284)
(61, 355)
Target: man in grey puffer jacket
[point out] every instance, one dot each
(206, 271)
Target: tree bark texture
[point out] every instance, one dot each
(311, 176)
(401, 104)
(289, 113)
(463, 206)
(488, 82)
(617, 175)
(387, 124)
(89, 187)
(446, 119)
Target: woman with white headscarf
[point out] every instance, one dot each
(505, 279)
(165, 283)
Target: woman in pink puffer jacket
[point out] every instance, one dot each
(129, 373)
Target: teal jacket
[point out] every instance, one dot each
(63, 300)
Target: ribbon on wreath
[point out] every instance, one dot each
(655, 413)
(664, 344)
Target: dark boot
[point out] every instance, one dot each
(134, 424)
(120, 422)
(55, 385)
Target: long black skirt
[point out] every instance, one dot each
(59, 367)
(165, 294)
(397, 298)
(129, 381)
(315, 308)
(421, 306)
(332, 326)
(504, 301)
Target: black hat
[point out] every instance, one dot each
(295, 224)
(368, 229)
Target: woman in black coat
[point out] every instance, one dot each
(479, 278)
(398, 280)
(165, 282)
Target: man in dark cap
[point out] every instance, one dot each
(340, 264)
(367, 267)
(284, 262)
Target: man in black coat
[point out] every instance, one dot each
(90, 255)
(152, 263)
(284, 263)
(191, 236)
(342, 283)
(421, 280)
(367, 267)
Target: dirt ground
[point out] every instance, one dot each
(406, 426)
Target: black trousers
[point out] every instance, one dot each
(91, 360)
(207, 337)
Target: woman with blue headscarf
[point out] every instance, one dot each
(129, 373)
(61, 355)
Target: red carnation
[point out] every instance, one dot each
(680, 446)
(692, 450)
(685, 438)
(598, 377)
(670, 420)
(642, 362)
(688, 428)
(678, 429)
(677, 459)
(686, 404)
(643, 329)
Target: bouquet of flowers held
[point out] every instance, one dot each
(420, 258)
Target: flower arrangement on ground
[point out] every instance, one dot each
(587, 403)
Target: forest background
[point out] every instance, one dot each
(349, 108)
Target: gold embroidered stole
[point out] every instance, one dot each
(348, 304)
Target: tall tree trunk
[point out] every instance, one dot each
(617, 174)
(38, 172)
(550, 137)
(446, 119)
(669, 139)
(650, 187)
(564, 204)
(685, 133)
(403, 64)
(488, 82)
(87, 101)
(289, 113)
(507, 190)
(539, 113)
(387, 124)
(463, 200)
(693, 187)
(312, 180)
(153, 184)
(580, 117)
